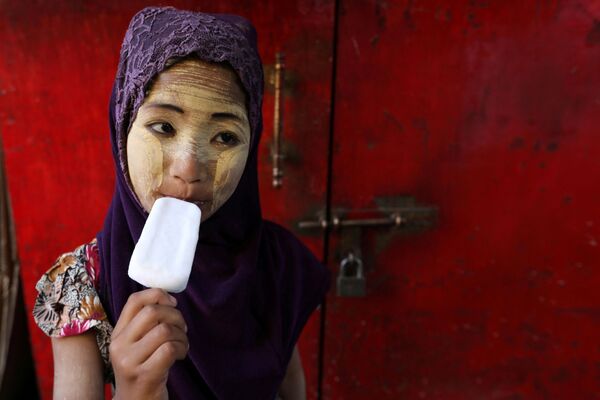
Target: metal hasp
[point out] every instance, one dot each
(393, 214)
(276, 153)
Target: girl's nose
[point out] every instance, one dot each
(187, 168)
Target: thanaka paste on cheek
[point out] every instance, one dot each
(145, 149)
(230, 167)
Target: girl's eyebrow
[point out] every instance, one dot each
(214, 116)
(165, 105)
(226, 115)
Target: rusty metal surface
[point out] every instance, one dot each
(57, 64)
(489, 110)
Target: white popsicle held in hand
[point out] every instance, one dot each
(163, 255)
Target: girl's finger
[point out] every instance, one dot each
(149, 317)
(164, 357)
(159, 335)
(136, 301)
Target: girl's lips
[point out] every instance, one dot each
(199, 203)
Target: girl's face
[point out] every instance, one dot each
(190, 138)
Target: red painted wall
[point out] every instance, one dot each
(490, 111)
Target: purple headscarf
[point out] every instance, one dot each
(253, 284)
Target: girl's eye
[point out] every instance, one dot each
(163, 128)
(226, 139)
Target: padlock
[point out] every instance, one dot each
(351, 280)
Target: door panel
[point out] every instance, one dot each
(489, 111)
(57, 65)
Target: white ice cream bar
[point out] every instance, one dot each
(163, 256)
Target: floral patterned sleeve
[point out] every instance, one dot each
(68, 303)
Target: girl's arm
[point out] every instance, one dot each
(77, 367)
(293, 386)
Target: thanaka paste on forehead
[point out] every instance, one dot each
(216, 77)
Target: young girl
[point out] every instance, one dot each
(185, 119)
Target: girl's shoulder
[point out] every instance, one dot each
(294, 253)
(68, 303)
(299, 279)
(299, 273)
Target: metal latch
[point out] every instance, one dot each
(398, 213)
(408, 215)
(338, 222)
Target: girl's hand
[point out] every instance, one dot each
(148, 337)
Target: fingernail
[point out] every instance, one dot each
(173, 300)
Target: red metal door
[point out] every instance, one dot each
(488, 110)
(57, 64)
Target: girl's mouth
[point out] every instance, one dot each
(199, 203)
